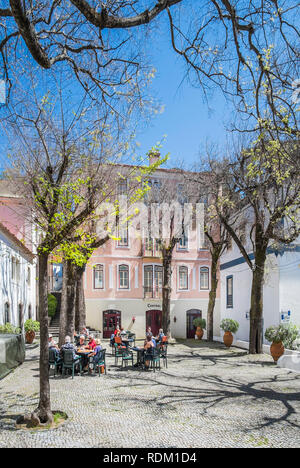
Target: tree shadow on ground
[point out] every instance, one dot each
(216, 391)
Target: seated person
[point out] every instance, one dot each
(84, 332)
(122, 332)
(160, 335)
(53, 345)
(149, 331)
(92, 343)
(95, 353)
(69, 345)
(51, 342)
(147, 347)
(112, 339)
(81, 342)
(149, 334)
(118, 340)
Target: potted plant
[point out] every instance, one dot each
(229, 326)
(276, 336)
(200, 323)
(31, 326)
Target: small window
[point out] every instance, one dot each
(122, 187)
(123, 235)
(98, 277)
(183, 278)
(6, 313)
(123, 277)
(229, 292)
(204, 278)
(28, 276)
(13, 268)
(183, 242)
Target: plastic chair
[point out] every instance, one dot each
(153, 355)
(54, 360)
(118, 352)
(163, 351)
(100, 362)
(127, 356)
(69, 362)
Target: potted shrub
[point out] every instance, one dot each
(31, 326)
(9, 329)
(229, 326)
(200, 323)
(276, 336)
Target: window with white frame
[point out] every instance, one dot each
(6, 313)
(183, 283)
(13, 268)
(123, 235)
(28, 276)
(204, 278)
(123, 277)
(153, 283)
(183, 242)
(98, 277)
(122, 187)
(229, 292)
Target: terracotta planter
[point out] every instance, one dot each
(276, 350)
(228, 339)
(29, 336)
(199, 333)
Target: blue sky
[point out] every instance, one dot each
(187, 120)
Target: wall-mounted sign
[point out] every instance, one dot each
(57, 276)
(154, 306)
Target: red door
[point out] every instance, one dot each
(190, 327)
(153, 320)
(111, 321)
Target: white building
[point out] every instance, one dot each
(17, 280)
(281, 293)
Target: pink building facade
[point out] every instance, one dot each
(123, 283)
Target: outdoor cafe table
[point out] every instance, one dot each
(83, 353)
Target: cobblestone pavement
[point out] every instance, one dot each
(207, 397)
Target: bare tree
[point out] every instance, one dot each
(60, 160)
(241, 47)
(261, 188)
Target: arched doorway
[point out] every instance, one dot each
(153, 320)
(111, 320)
(190, 327)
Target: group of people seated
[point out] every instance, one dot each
(149, 343)
(93, 345)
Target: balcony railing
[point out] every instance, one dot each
(151, 293)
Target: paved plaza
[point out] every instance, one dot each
(207, 397)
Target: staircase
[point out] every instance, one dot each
(54, 326)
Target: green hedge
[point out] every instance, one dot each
(52, 305)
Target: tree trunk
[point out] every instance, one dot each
(212, 295)
(43, 412)
(167, 288)
(256, 310)
(63, 307)
(67, 314)
(80, 310)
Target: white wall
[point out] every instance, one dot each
(290, 284)
(16, 292)
(138, 308)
